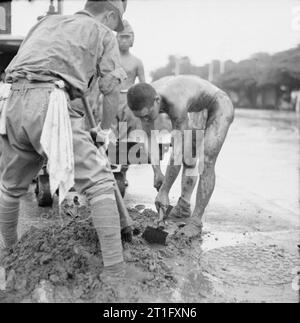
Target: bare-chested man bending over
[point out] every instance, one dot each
(185, 99)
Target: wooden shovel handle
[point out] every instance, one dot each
(161, 216)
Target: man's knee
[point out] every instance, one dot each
(230, 115)
(92, 173)
(189, 162)
(209, 161)
(228, 109)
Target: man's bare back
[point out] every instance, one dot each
(185, 94)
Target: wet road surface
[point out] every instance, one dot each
(249, 250)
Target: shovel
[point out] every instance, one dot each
(156, 235)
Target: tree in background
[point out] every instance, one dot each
(262, 81)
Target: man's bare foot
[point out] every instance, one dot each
(192, 230)
(182, 211)
(125, 271)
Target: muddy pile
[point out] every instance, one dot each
(62, 263)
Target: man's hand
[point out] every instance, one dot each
(126, 234)
(158, 180)
(93, 133)
(162, 201)
(104, 137)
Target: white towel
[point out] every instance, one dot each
(4, 94)
(57, 143)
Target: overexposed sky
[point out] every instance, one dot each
(201, 29)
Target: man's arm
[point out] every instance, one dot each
(110, 108)
(153, 156)
(175, 162)
(111, 76)
(141, 72)
(171, 176)
(162, 200)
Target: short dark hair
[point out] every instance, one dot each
(98, 6)
(140, 96)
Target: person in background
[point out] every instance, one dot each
(134, 69)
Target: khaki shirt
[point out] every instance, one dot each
(72, 48)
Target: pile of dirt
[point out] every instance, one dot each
(62, 263)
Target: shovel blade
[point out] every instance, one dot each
(155, 236)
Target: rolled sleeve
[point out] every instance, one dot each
(111, 72)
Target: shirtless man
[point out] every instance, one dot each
(185, 99)
(132, 65)
(134, 69)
